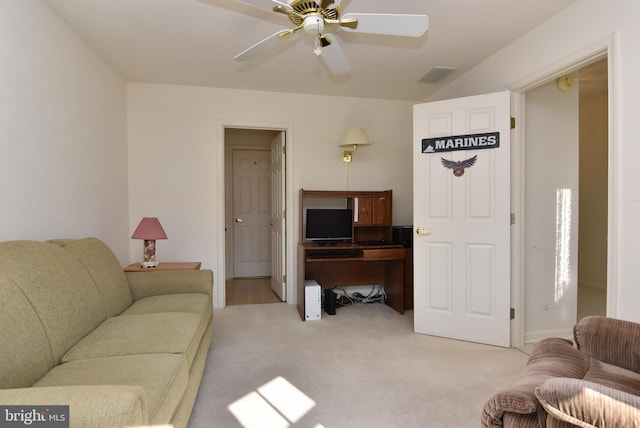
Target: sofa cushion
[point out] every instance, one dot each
(196, 303)
(609, 340)
(25, 355)
(613, 377)
(166, 332)
(105, 270)
(575, 402)
(164, 378)
(59, 289)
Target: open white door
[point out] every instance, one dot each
(277, 222)
(461, 194)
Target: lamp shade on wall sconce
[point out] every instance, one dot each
(149, 230)
(353, 138)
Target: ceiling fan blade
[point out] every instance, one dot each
(266, 4)
(334, 57)
(286, 3)
(389, 24)
(261, 46)
(261, 4)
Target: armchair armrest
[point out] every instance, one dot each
(99, 406)
(552, 357)
(145, 284)
(609, 340)
(588, 404)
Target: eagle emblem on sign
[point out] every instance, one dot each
(459, 167)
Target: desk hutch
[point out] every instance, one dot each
(372, 263)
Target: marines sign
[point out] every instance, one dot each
(489, 140)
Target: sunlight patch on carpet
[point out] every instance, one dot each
(275, 404)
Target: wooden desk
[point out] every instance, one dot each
(135, 267)
(362, 265)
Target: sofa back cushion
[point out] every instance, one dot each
(612, 341)
(104, 268)
(59, 289)
(25, 355)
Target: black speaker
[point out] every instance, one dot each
(329, 302)
(403, 235)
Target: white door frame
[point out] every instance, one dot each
(219, 293)
(605, 48)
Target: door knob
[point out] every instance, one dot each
(271, 223)
(239, 220)
(421, 232)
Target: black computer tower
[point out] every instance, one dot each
(403, 235)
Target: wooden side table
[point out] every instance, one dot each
(135, 267)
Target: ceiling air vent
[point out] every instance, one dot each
(436, 74)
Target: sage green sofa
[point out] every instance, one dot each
(121, 349)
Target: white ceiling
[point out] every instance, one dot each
(192, 42)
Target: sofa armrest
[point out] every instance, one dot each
(587, 404)
(609, 340)
(516, 399)
(89, 405)
(552, 357)
(145, 284)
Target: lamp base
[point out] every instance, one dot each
(149, 264)
(149, 256)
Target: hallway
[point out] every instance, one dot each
(250, 291)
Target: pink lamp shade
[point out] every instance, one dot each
(149, 230)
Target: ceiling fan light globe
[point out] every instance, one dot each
(313, 25)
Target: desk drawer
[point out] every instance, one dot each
(383, 254)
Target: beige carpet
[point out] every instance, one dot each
(363, 367)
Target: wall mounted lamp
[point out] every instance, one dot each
(149, 230)
(353, 138)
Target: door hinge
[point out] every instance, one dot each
(284, 279)
(513, 122)
(513, 219)
(284, 149)
(284, 214)
(512, 313)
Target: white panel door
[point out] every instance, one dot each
(277, 223)
(251, 213)
(462, 261)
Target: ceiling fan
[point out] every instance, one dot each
(315, 16)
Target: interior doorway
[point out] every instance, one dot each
(254, 221)
(566, 200)
(251, 196)
(594, 189)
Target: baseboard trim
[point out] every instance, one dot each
(536, 336)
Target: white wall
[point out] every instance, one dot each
(174, 145)
(63, 167)
(584, 27)
(552, 221)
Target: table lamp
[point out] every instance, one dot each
(149, 230)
